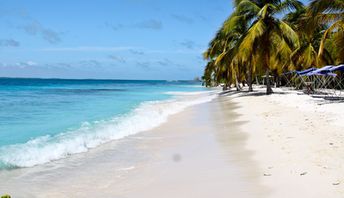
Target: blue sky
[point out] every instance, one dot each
(107, 39)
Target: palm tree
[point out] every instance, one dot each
(215, 72)
(268, 38)
(208, 72)
(255, 40)
(305, 56)
(329, 12)
(221, 53)
(252, 40)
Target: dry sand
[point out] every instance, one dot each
(297, 140)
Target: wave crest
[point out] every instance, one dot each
(49, 148)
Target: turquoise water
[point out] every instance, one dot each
(47, 119)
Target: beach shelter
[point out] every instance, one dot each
(338, 85)
(264, 77)
(303, 78)
(294, 78)
(322, 76)
(322, 79)
(288, 78)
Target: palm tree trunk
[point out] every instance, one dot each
(268, 83)
(278, 81)
(249, 80)
(237, 83)
(267, 65)
(257, 81)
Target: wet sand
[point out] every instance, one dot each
(200, 152)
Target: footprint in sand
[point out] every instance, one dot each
(304, 173)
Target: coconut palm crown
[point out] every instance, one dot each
(256, 39)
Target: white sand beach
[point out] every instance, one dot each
(239, 145)
(298, 142)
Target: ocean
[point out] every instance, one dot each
(43, 120)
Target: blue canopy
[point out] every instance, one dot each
(337, 68)
(324, 71)
(305, 71)
(327, 70)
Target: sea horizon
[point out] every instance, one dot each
(108, 79)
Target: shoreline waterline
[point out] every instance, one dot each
(59, 118)
(146, 116)
(239, 144)
(194, 146)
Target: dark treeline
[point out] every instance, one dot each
(269, 37)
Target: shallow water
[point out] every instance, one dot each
(42, 120)
(199, 152)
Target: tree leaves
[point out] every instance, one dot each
(254, 38)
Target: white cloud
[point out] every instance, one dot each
(31, 63)
(36, 28)
(25, 64)
(9, 43)
(149, 24)
(86, 49)
(117, 49)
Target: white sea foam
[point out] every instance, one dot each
(147, 116)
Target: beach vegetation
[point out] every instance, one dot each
(262, 39)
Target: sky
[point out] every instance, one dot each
(108, 39)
